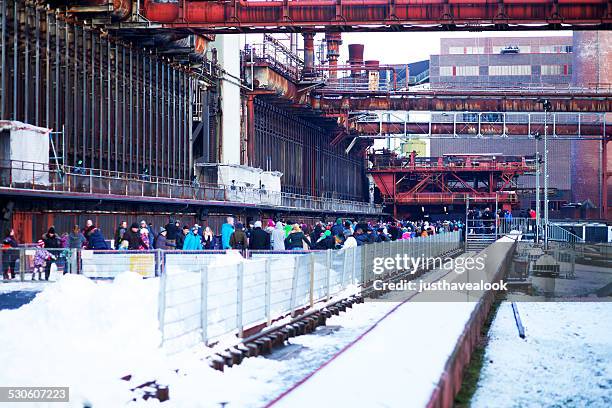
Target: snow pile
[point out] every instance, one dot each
(84, 335)
(563, 361)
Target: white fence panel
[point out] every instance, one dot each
(105, 264)
(222, 299)
(254, 292)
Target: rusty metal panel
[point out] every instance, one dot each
(96, 88)
(301, 150)
(374, 15)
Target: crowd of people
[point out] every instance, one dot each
(276, 235)
(484, 220)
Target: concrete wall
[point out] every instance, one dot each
(228, 48)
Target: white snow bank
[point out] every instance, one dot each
(83, 335)
(565, 359)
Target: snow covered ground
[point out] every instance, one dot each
(397, 364)
(15, 293)
(87, 335)
(84, 335)
(259, 380)
(564, 361)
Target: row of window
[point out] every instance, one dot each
(497, 49)
(503, 70)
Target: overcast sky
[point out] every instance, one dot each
(401, 48)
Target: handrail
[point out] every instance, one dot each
(67, 179)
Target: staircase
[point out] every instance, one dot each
(478, 242)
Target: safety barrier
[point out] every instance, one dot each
(49, 178)
(21, 262)
(206, 295)
(223, 296)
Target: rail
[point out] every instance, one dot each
(603, 88)
(528, 227)
(275, 54)
(453, 124)
(42, 177)
(452, 163)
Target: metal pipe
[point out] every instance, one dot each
(152, 143)
(37, 67)
(84, 99)
(130, 158)
(57, 83)
(116, 115)
(605, 175)
(138, 110)
(100, 109)
(75, 92)
(185, 141)
(3, 59)
(26, 89)
(309, 56)
(174, 144)
(157, 119)
(179, 130)
(190, 127)
(123, 145)
(163, 118)
(15, 56)
(108, 103)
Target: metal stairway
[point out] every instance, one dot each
(478, 242)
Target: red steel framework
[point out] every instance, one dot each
(378, 15)
(447, 180)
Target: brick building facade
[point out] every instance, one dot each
(502, 61)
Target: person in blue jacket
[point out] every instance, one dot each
(227, 229)
(193, 242)
(95, 239)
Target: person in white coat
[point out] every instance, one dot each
(278, 237)
(349, 240)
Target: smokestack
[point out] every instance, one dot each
(308, 53)
(356, 57)
(372, 65)
(333, 41)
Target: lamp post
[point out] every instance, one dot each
(537, 136)
(547, 106)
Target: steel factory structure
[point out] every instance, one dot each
(151, 107)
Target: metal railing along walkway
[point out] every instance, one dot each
(66, 180)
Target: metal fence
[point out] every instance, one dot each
(205, 301)
(27, 263)
(207, 295)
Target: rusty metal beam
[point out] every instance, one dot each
(237, 16)
(464, 101)
(491, 129)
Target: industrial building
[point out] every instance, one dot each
(523, 62)
(502, 62)
(145, 117)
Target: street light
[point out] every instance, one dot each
(537, 138)
(547, 106)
